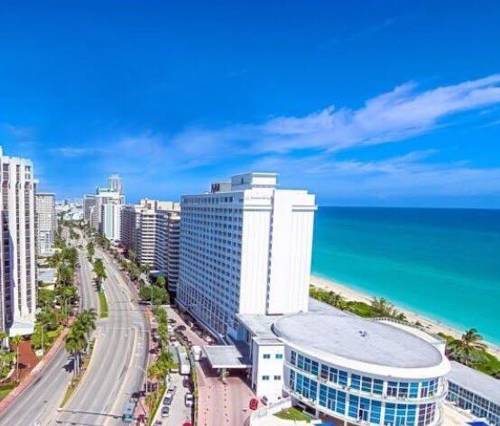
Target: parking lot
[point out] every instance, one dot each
(179, 414)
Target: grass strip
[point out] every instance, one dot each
(293, 414)
(103, 305)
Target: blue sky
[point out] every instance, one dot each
(363, 102)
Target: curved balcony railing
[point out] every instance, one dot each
(437, 421)
(440, 393)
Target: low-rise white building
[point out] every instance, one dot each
(346, 369)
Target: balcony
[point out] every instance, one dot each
(439, 395)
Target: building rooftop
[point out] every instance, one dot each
(475, 381)
(354, 338)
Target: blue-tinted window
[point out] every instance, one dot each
(353, 406)
(355, 381)
(366, 384)
(413, 390)
(375, 412)
(378, 386)
(279, 356)
(293, 357)
(343, 378)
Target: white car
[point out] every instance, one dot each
(188, 399)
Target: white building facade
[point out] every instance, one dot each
(46, 222)
(151, 230)
(18, 251)
(245, 249)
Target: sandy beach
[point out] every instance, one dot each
(431, 326)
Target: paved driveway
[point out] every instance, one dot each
(218, 404)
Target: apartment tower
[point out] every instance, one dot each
(46, 221)
(17, 251)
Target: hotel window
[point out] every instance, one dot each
(265, 377)
(355, 381)
(277, 377)
(392, 389)
(266, 356)
(378, 386)
(279, 356)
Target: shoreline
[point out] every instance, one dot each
(430, 326)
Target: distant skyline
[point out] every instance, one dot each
(374, 103)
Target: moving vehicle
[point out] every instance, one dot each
(128, 412)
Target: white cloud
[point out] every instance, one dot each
(74, 152)
(400, 176)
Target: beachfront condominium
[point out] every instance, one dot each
(151, 230)
(129, 227)
(17, 251)
(245, 248)
(102, 211)
(46, 222)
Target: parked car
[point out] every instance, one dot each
(169, 396)
(165, 410)
(188, 400)
(180, 328)
(171, 321)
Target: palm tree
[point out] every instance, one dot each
(383, 308)
(100, 273)
(66, 294)
(16, 341)
(468, 349)
(74, 344)
(87, 320)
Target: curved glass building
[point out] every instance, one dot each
(349, 370)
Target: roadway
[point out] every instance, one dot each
(38, 404)
(117, 366)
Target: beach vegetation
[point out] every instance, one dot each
(470, 350)
(378, 307)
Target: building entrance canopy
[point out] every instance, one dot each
(226, 356)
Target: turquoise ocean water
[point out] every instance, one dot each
(443, 263)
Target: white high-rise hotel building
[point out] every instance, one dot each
(245, 249)
(17, 251)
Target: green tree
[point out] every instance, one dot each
(66, 295)
(381, 307)
(468, 349)
(90, 250)
(161, 281)
(155, 295)
(75, 343)
(100, 273)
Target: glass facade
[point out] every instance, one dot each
(332, 388)
(478, 405)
